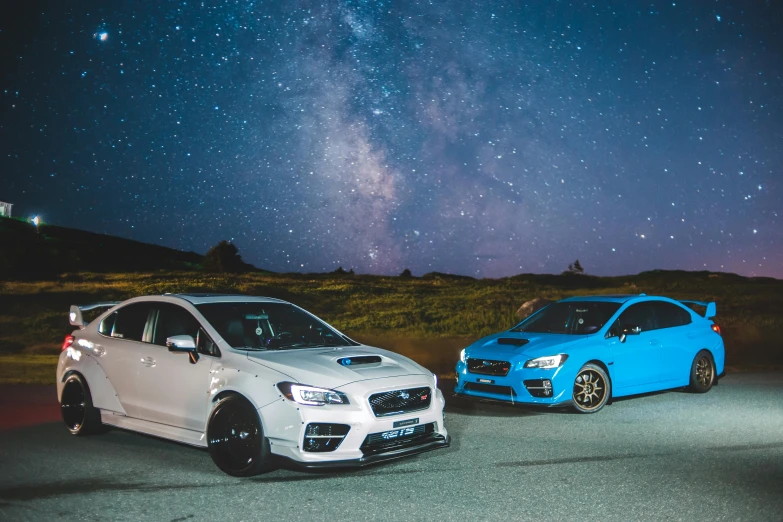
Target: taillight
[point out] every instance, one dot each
(716, 329)
(69, 339)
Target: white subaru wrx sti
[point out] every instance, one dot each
(250, 378)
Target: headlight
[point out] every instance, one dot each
(550, 361)
(311, 395)
(462, 355)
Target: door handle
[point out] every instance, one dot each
(149, 362)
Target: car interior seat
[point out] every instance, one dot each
(235, 333)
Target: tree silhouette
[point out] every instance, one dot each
(406, 273)
(224, 257)
(575, 268)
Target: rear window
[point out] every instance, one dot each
(130, 321)
(107, 325)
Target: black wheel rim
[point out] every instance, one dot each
(72, 405)
(703, 371)
(235, 438)
(589, 389)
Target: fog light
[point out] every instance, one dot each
(321, 437)
(539, 387)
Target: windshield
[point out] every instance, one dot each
(571, 317)
(269, 326)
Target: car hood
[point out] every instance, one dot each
(325, 366)
(537, 345)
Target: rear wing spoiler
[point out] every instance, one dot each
(75, 315)
(711, 311)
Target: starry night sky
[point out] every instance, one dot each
(474, 137)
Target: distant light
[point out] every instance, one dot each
(103, 36)
(35, 220)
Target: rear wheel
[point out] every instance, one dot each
(236, 439)
(702, 373)
(79, 415)
(592, 389)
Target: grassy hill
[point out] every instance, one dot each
(50, 250)
(428, 318)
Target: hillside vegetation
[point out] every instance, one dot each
(48, 250)
(412, 315)
(430, 318)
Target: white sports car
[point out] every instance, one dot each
(250, 378)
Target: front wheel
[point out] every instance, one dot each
(592, 389)
(236, 439)
(702, 373)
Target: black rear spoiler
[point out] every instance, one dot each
(75, 315)
(711, 309)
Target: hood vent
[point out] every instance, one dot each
(359, 360)
(513, 342)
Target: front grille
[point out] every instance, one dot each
(488, 367)
(392, 440)
(490, 388)
(400, 401)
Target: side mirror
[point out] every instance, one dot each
(181, 343)
(629, 329)
(75, 316)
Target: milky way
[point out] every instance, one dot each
(480, 138)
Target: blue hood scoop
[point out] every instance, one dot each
(512, 342)
(359, 360)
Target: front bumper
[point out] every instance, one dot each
(511, 388)
(285, 424)
(437, 443)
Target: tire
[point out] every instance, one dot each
(592, 389)
(236, 439)
(78, 412)
(702, 372)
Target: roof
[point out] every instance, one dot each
(202, 298)
(612, 298)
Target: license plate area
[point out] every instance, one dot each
(401, 433)
(404, 423)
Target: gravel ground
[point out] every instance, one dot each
(665, 456)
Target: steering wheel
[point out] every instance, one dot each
(282, 336)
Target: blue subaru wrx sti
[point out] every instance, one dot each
(583, 351)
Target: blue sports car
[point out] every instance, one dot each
(583, 351)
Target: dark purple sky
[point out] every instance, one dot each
(482, 138)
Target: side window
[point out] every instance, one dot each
(173, 320)
(205, 345)
(640, 314)
(130, 321)
(671, 315)
(107, 325)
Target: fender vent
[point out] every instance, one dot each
(360, 359)
(513, 342)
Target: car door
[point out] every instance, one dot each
(174, 388)
(637, 360)
(677, 339)
(124, 354)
